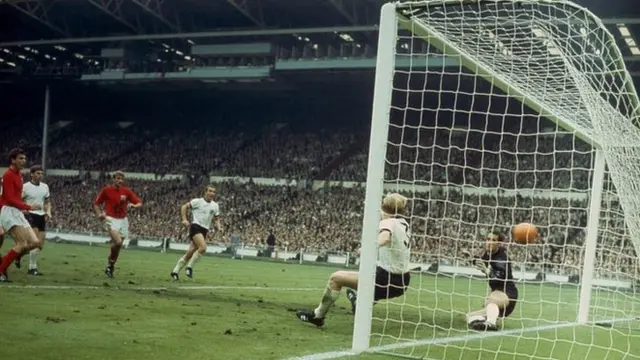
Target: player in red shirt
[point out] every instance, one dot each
(117, 199)
(12, 218)
(1, 228)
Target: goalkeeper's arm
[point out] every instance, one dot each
(482, 265)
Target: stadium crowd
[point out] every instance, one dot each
(446, 224)
(420, 155)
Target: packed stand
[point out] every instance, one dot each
(21, 133)
(427, 155)
(420, 155)
(197, 148)
(288, 153)
(446, 226)
(250, 210)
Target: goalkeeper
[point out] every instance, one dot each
(504, 293)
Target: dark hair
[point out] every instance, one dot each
(36, 168)
(14, 153)
(500, 236)
(210, 186)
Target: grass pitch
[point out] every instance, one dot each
(243, 309)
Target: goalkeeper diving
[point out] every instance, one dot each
(392, 272)
(494, 263)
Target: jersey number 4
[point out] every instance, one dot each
(407, 242)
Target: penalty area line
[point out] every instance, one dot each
(446, 340)
(158, 288)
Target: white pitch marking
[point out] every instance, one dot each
(190, 287)
(446, 340)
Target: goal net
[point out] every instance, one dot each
(488, 114)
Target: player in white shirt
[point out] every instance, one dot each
(203, 211)
(392, 272)
(36, 192)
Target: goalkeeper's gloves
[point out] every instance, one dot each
(482, 266)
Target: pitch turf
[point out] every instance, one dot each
(242, 309)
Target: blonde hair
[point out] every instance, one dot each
(117, 173)
(394, 204)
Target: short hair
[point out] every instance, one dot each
(499, 235)
(36, 168)
(117, 173)
(14, 153)
(209, 187)
(394, 204)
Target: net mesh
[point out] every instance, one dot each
(474, 156)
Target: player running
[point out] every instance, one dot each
(504, 294)
(203, 211)
(36, 192)
(392, 272)
(117, 199)
(12, 218)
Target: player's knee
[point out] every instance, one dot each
(202, 248)
(337, 278)
(23, 237)
(498, 298)
(32, 244)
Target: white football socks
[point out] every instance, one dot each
(328, 299)
(179, 265)
(493, 311)
(193, 259)
(33, 259)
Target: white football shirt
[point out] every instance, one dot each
(396, 255)
(203, 212)
(33, 194)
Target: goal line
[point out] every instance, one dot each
(454, 339)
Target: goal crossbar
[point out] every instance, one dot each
(406, 13)
(406, 10)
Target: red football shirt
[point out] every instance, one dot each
(115, 200)
(12, 190)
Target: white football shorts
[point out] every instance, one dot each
(10, 217)
(119, 225)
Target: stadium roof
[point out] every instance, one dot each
(46, 19)
(61, 27)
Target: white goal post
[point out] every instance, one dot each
(566, 148)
